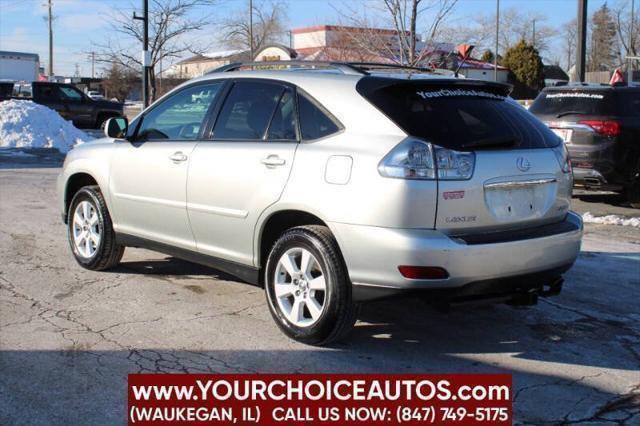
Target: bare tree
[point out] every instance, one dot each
(629, 41)
(570, 35)
(410, 20)
(171, 22)
(515, 25)
(341, 48)
(268, 26)
(118, 82)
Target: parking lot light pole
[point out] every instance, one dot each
(495, 57)
(50, 41)
(630, 62)
(145, 51)
(582, 40)
(251, 28)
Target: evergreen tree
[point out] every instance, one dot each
(487, 56)
(526, 67)
(603, 54)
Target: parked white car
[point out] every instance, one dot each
(333, 187)
(95, 95)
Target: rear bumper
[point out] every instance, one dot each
(373, 255)
(594, 179)
(588, 177)
(595, 165)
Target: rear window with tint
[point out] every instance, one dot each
(461, 118)
(573, 102)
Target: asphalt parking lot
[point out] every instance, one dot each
(69, 336)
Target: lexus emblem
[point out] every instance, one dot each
(523, 164)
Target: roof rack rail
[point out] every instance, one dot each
(367, 66)
(351, 68)
(343, 67)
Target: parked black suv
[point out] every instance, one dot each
(600, 125)
(70, 103)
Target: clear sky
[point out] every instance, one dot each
(80, 23)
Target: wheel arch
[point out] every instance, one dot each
(73, 184)
(275, 224)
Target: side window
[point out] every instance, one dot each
(49, 93)
(314, 123)
(181, 116)
(247, 111)
(283, 123)
(71, 94)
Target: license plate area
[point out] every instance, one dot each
(565, 134)
(516, 201)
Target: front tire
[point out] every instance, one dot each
(90, 231)
(307, 286)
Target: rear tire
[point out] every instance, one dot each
(90, 231)
(307, 286)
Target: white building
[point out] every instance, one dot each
(19, 66)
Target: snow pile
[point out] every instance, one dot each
(611, 219)
(25, 124)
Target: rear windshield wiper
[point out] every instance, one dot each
(570, 113)
(492, 142)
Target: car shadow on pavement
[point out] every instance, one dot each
(30, 158)
(170, 266)
(601, 197)
(567, 354)
(564, 329)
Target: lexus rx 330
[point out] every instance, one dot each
(331, 188)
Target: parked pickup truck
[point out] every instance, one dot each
(70, 103)
(6, 89)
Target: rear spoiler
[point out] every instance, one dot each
(369, 84)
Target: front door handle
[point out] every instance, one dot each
(178, 157)
(273, 160)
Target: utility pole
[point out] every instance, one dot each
(495, 57)
(93, 64)
(146, 60)
(251, 28)
(581, 44)
(533, 35)
(50, 40)
(629, 53)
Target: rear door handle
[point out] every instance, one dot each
(273, 161)
(178, 157)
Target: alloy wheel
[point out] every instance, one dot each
(300, 287)
(86, 229)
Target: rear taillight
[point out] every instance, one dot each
(418, 159)
(608, 128)
(562, 154)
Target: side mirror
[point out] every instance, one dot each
(116, 127)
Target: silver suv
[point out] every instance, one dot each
(333, 186)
